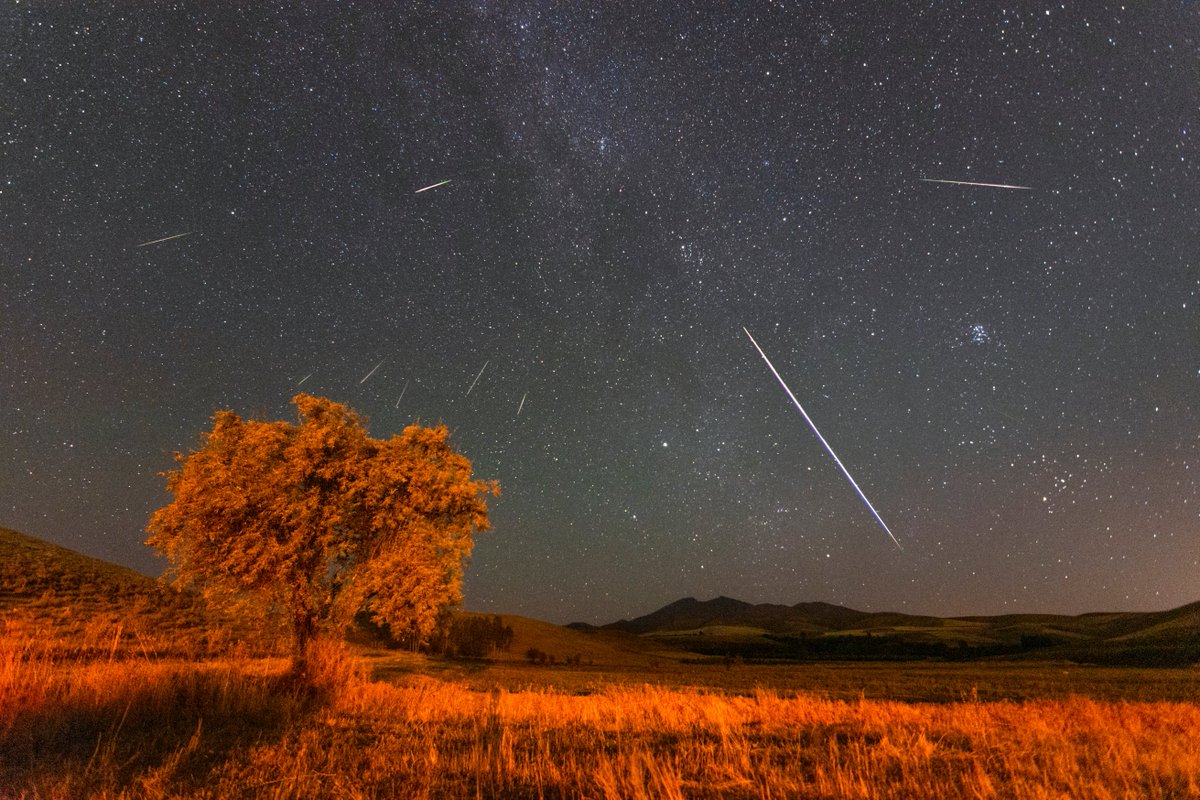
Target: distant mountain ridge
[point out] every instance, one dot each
(690, 613)
(816, 629)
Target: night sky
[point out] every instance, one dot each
(1011, 375)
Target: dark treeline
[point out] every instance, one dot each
(895, 648)
(472, 637)
(455, 637)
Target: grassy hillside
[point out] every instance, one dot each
(31, 567)
(51, 586)
(594, 647)
(87, 606)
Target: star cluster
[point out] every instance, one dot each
(1012, 375)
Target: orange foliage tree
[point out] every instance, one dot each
(322, 522)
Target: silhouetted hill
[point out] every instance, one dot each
(815, 630)
(692, 613)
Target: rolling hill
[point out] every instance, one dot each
(85, 605)
(608, 648)
(39, 576)
(806, 631)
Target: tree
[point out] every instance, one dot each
(474, 637)
(321, 521)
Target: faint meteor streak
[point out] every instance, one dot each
(372, 372)
(975, 183)
(813, 425)
(432, 186)
(166, 238)
(522, 403)
(402, 391)
(477, 377)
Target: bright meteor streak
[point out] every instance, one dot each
(432, 186)
(975, 183)
(813, 425)
(166, 238)
(369, 374)
(477, 377)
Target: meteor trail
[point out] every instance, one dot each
(432, 186)
(166, 238)
(522, 403)
(302, 380)
(813, 425)
(975, 183)
(477, 377)
(372, 372)
(402, 391)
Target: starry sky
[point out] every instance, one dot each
(1012, 376)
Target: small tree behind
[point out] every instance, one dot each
(469, 636)
(321, 521)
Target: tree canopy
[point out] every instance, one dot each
(323, 522)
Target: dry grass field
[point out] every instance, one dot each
(138, 727)
(113, 687)
(609, 658)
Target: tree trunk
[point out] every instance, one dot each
(306, 630)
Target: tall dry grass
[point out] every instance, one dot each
(650, 742)
(71, 727)
(237, 728)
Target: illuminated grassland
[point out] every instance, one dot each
(111, 686)
(139, 727)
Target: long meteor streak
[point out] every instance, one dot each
(166, 238)
(372, 372)
(402, 391)
(432, 186)
(522, 404)
(975, 183)
(477, 377)
(813, 425)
